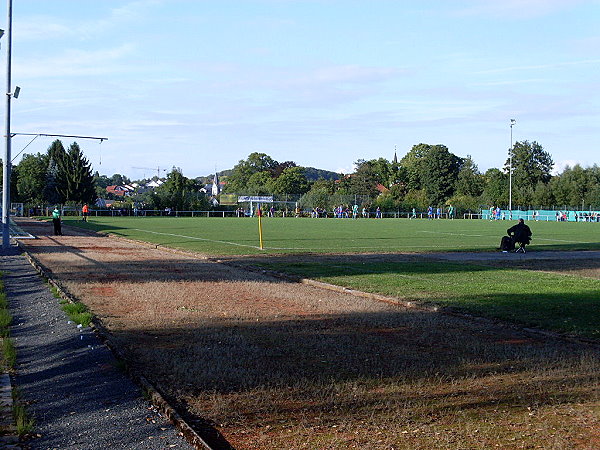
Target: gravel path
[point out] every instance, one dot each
(78, 396)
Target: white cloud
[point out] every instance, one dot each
(37, 28)
(560, 166)
(74, 63)
(46, 27)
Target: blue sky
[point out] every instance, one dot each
(201, 84)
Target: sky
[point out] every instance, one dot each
(200, 85)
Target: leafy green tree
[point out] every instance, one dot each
(365, 178)
(238, 181)
(13, 181)
(174, 192)
(469, 188)
(31, 178)
(530, 163)
(470, 181)
(543, 196)
(412, 162)
(440, 171)
(318, 197)
(572, 186)
(101, 182)
(329, 185)
(592, 198)
(414, 198)
(386, 202)
(259, 183)
(384, 171)
(523, 196)
(118, 180)
(399, 177)
(464, 203)
(281, 167)
(495, 192)
(291, 181)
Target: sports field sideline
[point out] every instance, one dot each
(239, 236)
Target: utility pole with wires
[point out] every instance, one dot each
(7, 159)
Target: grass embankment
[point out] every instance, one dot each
(8, 348)
(562, 303)
(23, 421)
(76, 311)
(239, 236)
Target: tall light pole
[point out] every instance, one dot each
(510, 155)
(6, 168)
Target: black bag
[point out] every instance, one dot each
(507, 244)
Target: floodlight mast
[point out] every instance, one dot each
(510, 155)
(7, 159)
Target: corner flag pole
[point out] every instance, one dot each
(260, 234)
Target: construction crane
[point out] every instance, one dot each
(158, 170)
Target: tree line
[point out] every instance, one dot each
(58, 176)
(427, 175)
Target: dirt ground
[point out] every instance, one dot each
(275, 364)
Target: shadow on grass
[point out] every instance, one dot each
(414, 366)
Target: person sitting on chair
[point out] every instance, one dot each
(521, 234)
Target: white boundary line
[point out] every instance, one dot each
(195, 238)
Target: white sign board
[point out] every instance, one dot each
(255, 199)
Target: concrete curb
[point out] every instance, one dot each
(102, 333)
(7, 425)
(9, 437)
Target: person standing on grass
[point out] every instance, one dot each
(85, 211)
(451, 212)
(56, 222)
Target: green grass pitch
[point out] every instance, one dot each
(239, 236)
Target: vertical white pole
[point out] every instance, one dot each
(7, 154)
(512, 122)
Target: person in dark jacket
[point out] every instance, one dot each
(521, 234)
(56, 222)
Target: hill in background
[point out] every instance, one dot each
(311, 173)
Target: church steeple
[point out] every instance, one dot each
(395, 160)
(216, 188)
